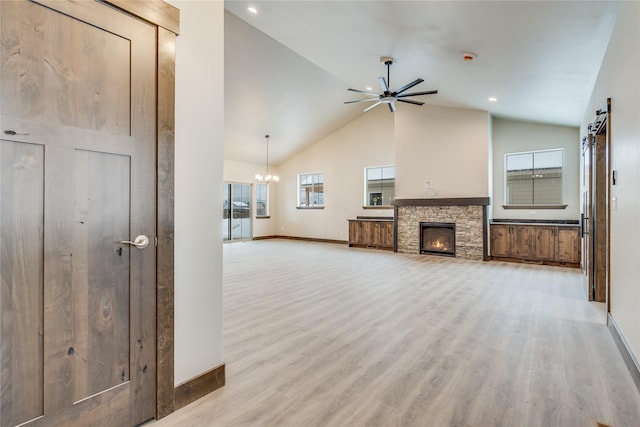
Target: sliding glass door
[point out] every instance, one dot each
(236, 211)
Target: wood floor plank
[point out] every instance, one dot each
(320, 334)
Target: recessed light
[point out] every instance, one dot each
(252, 9)
(493, 99)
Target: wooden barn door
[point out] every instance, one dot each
(77, 155)
(595, 249)
(587, 226)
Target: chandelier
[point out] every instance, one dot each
(268, 178)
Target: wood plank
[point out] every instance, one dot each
(202, 385)
(21, 281)
(568, 245)
(166, 201)
(600, 213)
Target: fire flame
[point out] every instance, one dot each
(443, 246)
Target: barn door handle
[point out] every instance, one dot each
(140, 242)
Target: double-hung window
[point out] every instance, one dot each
(534, 178)
(311, 190)
(379, 185)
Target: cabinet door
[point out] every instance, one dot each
(354, 232)
(544, 243)
(366, 232)
(500, 240)
(568, 245)
(376, 234)
(387, 234)
(521, 241)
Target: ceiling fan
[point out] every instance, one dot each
(388, 97)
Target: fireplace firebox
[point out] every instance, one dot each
(438, 238)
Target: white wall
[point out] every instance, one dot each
(244, 173)
(415, 140)
(342, 157)
(510, 136)
(448, 146)
(619, 79)
(198, 182)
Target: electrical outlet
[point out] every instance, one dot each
(428, 184)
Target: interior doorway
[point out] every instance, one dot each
(236, 211)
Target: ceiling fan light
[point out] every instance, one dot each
(388, 96)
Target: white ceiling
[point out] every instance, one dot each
(288, 67)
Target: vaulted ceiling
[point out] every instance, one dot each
(288, 66)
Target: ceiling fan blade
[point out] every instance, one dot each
(364, 91)
(411, 101)
(392, 107)
(361, 100)
(372, 106)
(408, 86)
(429, 92)
(383, 84)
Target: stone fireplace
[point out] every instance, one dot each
(468, 216)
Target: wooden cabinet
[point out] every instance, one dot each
(376, 233)
(387, 234)
(540, 243)
(568, 245)
(520, 243)
(543, 243)
(500, 241)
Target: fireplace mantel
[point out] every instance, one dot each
(457, 201)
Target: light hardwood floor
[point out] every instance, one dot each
(319, 334)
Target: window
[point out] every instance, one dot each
(534, 178)
(262, 200)
(379, 185)
(236, 211)
(311, 190)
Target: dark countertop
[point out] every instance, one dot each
(547, 222)
(372, 218)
